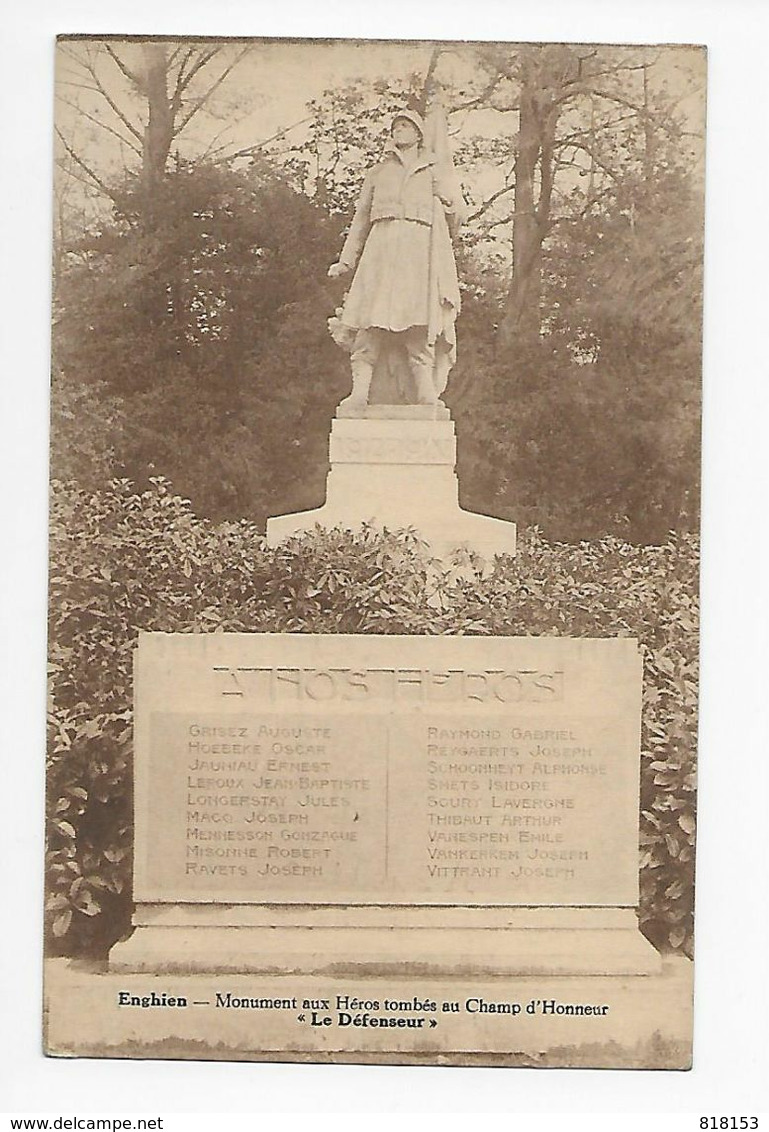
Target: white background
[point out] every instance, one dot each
(731, 979)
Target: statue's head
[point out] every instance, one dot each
(407, 128)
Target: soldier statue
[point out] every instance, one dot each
(399, 314)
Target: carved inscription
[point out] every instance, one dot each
(322, 808)
(508, 808)
(264, 806)
(392, 450)
(402, 685)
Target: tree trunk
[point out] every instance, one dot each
(163, 306)
(159, 132)
(521, 320)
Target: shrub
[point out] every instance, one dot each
(123, 561)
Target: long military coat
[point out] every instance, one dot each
(400, 247)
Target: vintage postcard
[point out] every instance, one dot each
(374, 551)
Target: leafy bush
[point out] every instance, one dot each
(609, 588)
(199, 350)
(123, 561)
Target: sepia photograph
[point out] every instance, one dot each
(374, 551)
(383, 602)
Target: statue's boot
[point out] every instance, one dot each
(425, 387)
(362, 373)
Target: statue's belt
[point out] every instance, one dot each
(400, 214)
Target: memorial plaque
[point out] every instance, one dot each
(387, 770)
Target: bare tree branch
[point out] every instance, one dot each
(130, 75)
(610, 96)
(111, 103)
(75, 176)
(172, 57)
(73, 57)
(489, 202)
(483, 95)
(205, 97)
(80, 85)
(179, 74)
(182, 82)
(251, 149)
(212, 147)
(578, 217)
(490, 225)
(98, 122)
(565, 141)
(79, 161)
(601, 164)
(613, 70)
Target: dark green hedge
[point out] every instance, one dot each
(123, 562)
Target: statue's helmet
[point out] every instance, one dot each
(410, 116)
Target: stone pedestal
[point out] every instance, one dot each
(394, 468)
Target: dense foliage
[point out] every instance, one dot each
(124, 561)
(198, 350)
(190, 334)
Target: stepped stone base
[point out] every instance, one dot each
(436, 412)
(386, 941)
(396, 474)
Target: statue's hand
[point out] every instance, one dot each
(337, 269)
